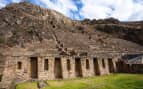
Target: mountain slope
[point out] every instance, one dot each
(30, 27)
(131, 31)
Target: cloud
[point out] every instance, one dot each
(125, 10)
(67, 7)
(121, 9)
(3, 3)
(16, 1)
(94, 9)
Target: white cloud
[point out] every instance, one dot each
(16, 1)
(3, 3)
(94, 9)
(121, 9)
(63, 6)
(124, 10)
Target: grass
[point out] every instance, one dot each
(114, 81)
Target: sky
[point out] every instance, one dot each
(124, 10)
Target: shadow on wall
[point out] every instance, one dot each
(129, 68)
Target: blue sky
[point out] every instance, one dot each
(124, 10)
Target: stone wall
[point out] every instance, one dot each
(24, 72)
(67, 74)
(136, 68)
(46, 74)
(115, 60)
(130, 68)
(18, 68)
(9, 73)
(87, 71)
(103, 66)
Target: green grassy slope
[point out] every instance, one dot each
(114, 81)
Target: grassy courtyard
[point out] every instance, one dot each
(114, 81)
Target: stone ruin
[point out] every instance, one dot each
(40, 44)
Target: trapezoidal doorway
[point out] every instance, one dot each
(34, 67)
(58, 68)
(96, 67)
(111, 65)
(78, 69)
